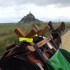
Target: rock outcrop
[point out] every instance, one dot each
(29, 18)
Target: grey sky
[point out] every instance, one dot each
(46, 10)
(37, 2)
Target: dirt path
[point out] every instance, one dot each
(66, 41)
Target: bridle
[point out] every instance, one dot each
(56, 39)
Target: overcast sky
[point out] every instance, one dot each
(45, 10)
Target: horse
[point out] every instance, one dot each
(19, 60)
(54, 42)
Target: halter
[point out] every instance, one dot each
(58, 39)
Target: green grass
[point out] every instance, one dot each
(7, 35)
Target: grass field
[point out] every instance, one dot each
(7, 35)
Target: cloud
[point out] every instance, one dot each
(37, 2)
(14, 10)
(44, 13)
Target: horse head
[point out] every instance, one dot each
(55, 34)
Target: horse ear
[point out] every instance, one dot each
(61, 28)
(50, 26)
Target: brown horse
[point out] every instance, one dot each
(19, 60)
(55, 39)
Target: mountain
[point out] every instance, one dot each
(29, 18)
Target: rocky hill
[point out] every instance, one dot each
(29, 18)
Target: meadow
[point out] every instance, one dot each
(8, 36)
